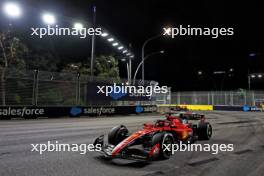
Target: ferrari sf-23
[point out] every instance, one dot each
(150, 142)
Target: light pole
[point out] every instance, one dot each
(129, 67)
(249, 82)
(142, 62)
(143, 54)
(93, 43)
(229, 73)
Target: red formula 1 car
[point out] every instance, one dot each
(148, 143)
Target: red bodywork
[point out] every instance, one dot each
(172, 124)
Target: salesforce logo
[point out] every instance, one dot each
(139, 109)
(117, 95)
(251, 108)
(246, 108)
(75, 111)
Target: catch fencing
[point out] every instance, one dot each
(42, 88)
(229, 98)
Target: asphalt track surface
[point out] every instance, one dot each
(244, 130)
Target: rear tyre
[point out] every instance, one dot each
(117, 134)
(204, 131)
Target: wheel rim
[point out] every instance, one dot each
(168, 141)
(209, 131)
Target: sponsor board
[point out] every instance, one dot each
(93, 111)
(111, 110)
(99, 110)
(105, 94)
(21, 111)
(251, 108)
(228, 108)
(216, 107)
(7, 112)
(190, 107)
(145, 109)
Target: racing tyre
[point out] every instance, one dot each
(204, 131)
(159, 151)
(117, 134)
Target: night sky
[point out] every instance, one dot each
(133, 21)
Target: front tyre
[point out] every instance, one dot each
(166, 147)
(117, 134)
(161, 146)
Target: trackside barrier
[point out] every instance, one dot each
(244, 108)
(7, 112)
(166, 108)
(228, 108)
